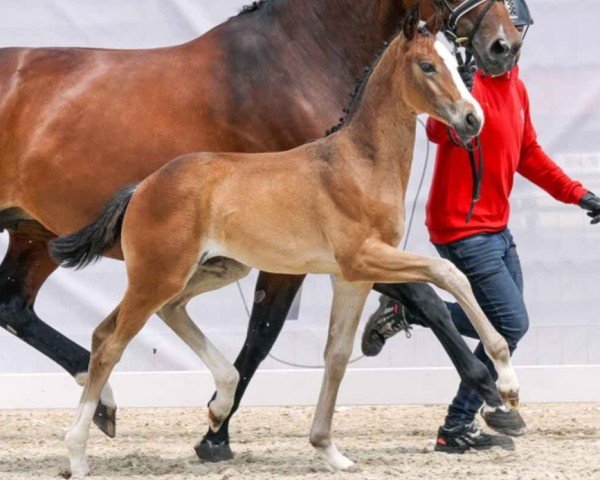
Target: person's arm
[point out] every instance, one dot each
(539, 168)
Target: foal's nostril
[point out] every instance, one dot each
(471, 121)
(500, 48)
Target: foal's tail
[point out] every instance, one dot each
(88, 244)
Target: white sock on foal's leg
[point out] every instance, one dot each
(336, 459)
(77, 437)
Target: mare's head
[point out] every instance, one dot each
(427, 77)
(486, 28)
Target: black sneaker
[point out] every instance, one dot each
(387, 321)
(465, 437)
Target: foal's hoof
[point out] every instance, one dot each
(213, 452)
(510, 399)
(504, 420)
(105, 419)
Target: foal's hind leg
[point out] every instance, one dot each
(209, 277)
(348, 302)
(146, 293)
(110, 339)
(272, 301)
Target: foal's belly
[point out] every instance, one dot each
(273, 244)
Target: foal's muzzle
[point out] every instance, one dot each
(467, 120)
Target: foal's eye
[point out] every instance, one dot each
(427, 67)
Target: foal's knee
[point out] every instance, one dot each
(447, 276)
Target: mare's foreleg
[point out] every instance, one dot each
(274, 295)
(216, 274)
(421, 300)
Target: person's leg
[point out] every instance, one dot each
(491, 264)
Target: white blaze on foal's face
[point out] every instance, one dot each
(465, 113)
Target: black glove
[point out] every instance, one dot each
(467, 73)
(591, 203)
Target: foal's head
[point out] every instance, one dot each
(428, 79)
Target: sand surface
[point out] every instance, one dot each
(271, 443)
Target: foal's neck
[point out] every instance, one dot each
(382, 126)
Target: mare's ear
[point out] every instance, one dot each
(436, 21)
(411, 21)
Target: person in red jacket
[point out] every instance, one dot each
(475, 236)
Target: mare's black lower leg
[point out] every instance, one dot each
(24, 269)
(421, 301)
(273, 299)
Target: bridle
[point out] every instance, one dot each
(451, 24)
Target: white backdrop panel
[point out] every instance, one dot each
(559, 249)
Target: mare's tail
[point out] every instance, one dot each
(89, 244)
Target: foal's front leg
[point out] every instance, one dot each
(381, 263)
(348, 303)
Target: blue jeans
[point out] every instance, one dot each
(491, 263)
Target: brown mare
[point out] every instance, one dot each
(334, 206)
(79, 124)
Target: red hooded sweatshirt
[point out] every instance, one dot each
(509, 144)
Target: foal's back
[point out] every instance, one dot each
(264, 210)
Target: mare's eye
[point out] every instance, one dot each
(427, 67)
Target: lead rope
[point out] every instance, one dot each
(477, 172)
(473, 147)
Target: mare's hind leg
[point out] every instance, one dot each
(348, 302)
(273, 298)
(216, 274)
(25, 268)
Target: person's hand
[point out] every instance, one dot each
(467, 73)
(591, 203)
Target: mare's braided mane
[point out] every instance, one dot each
(253, 7)
(356, 95)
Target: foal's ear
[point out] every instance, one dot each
(411, 21)
(436, 21)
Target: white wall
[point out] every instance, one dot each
(560, 251)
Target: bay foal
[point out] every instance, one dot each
(334, 206)
(270, 79)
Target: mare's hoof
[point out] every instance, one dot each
(504, 420)
(105, 419)
(213, 452)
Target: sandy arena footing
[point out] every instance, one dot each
(272, 443)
